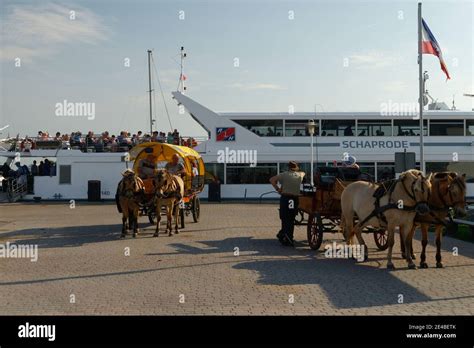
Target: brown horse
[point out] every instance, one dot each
(448, 191)
(129, 190)
(169, 192)
(385, 206)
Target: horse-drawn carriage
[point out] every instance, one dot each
(322, 204)
(193, 177)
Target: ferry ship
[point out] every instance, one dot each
(370, 137)
(243, 150)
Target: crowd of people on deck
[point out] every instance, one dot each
(44, 168)
(104, 142)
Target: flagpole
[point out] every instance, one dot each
(421, 87)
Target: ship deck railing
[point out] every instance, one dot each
(83, 145)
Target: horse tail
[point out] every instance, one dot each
(117, 197)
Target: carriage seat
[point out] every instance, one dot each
(350, 174)
(326, 181)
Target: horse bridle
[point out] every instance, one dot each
(412, 193)
(456, 181)
(165, 187)
(130, 192)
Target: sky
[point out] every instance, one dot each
(312, 55)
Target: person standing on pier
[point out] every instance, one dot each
(289, 190)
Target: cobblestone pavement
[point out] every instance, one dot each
(82, 260)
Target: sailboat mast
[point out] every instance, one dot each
(150, 90)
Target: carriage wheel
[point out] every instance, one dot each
(181, 216)
(315, 231)
(196, 208)
(381, 239)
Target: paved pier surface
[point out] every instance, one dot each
(83, 261)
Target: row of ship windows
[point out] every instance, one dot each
(261, 173)
(287, 128)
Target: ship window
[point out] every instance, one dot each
(245, 174)
(433, 167)
(446, 127)
(214, 171)
(263, 128)
(338, 128)
(65, 174)
(469, 127)
(409, 128)
(458, 167)
(304, 167)
(369, 128)
(385, 171)
(298, 128)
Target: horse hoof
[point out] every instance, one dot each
(170, 234)
(155, 235)
(134, 235)
(176, 232)
(423, 265)
(403, 256)
(412, 266)
(122, 236)
(390, 266)
(439, 265)
(413, 257)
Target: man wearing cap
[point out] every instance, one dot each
(289, 189)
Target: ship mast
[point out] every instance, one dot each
(181, 87)
(150, 91)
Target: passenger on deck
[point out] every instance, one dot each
(146, 167)
(348, 131)
(174, 167)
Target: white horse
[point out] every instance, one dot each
(394, 205)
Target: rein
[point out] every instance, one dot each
(379, 210)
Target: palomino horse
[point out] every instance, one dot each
(448, 191)
(169, 191)
(386, 205)
(129, 190)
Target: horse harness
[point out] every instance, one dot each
(388, 186)
(129, 192)
(170, 193)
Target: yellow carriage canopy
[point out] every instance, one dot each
(164, 152)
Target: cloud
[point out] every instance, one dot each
(374, 60)
(36, 31)
(257, 86)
